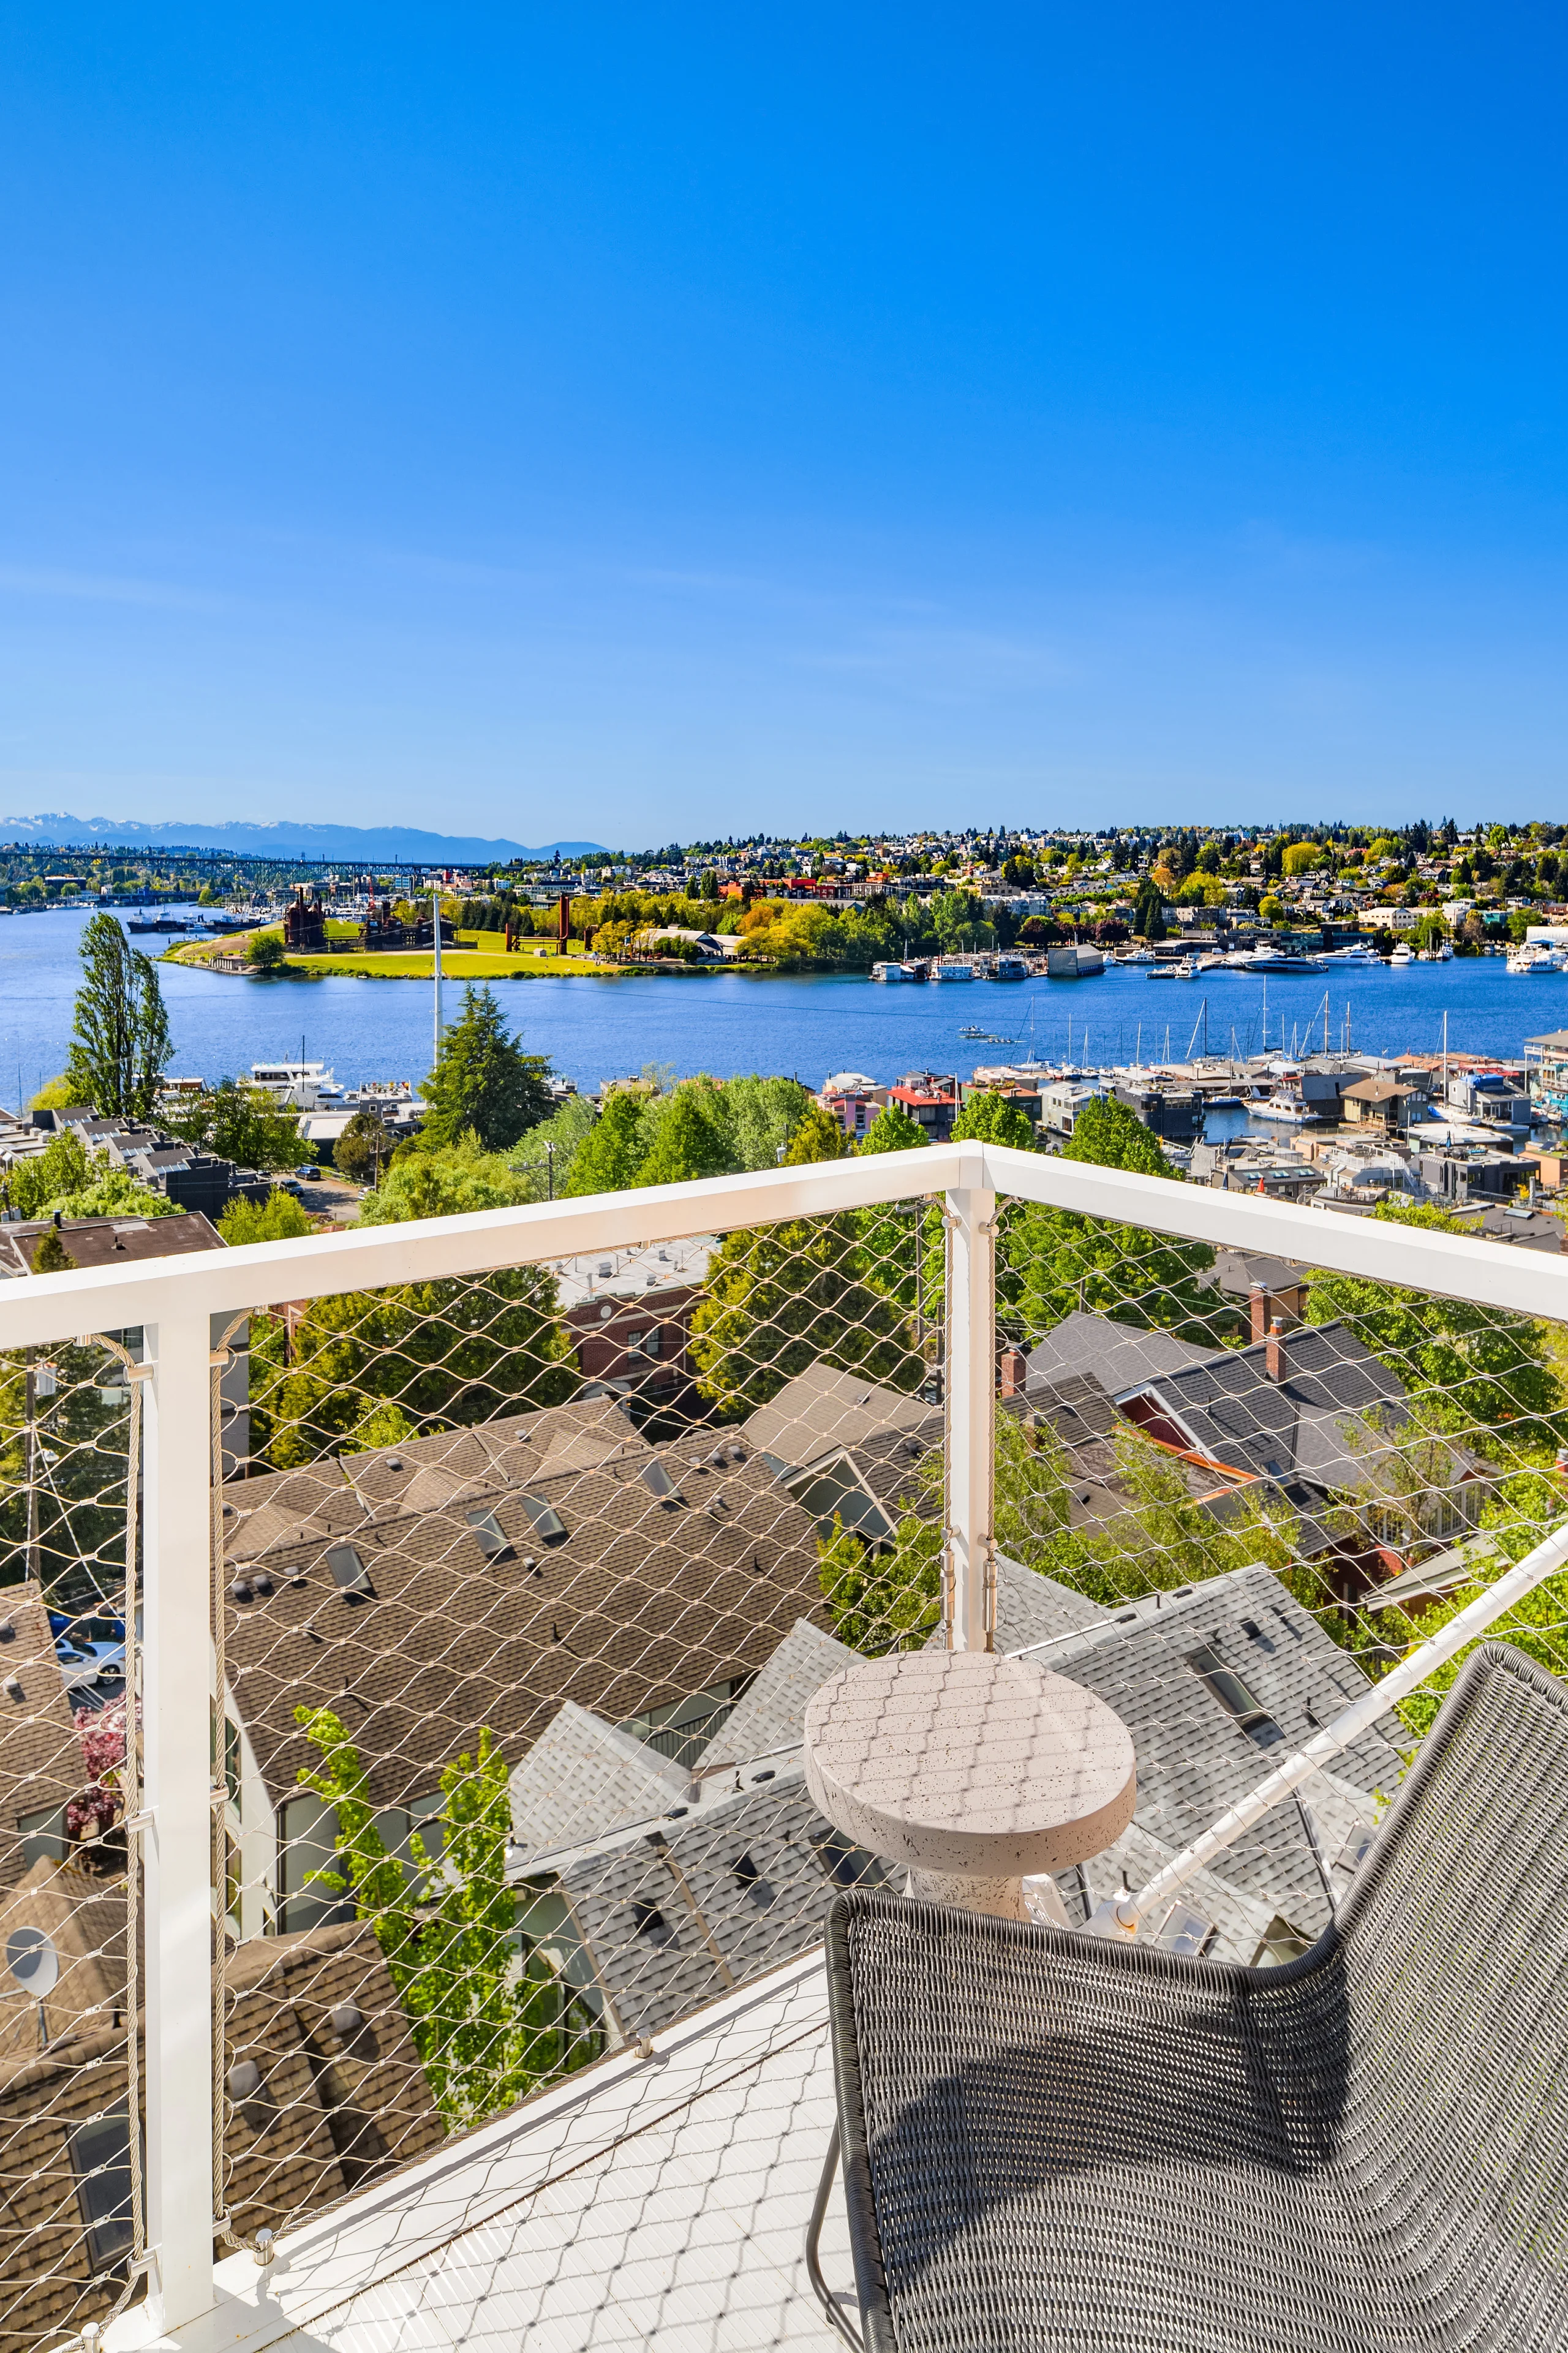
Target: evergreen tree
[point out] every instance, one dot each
(483, 1080)
(120, 1045)
(1149, 915)
(364, 1148)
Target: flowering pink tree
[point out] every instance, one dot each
(101, 1732)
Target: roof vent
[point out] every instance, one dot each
(261, 1583)
(241, 1589)
(13, 1688)
(8, 1631)
(250, 2096)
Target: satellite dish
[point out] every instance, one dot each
(33, 1962)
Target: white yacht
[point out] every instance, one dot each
(1290, 1109)
(1533, 957)
(1402, 953)
(1340, 959)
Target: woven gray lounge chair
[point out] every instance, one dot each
(1055, 2142)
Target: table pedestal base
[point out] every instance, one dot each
(1002, 1896)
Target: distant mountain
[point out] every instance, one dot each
(360, 844)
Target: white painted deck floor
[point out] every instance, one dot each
(654, 2203)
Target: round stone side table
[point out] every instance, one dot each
(974, 1771)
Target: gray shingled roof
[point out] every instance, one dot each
(1116, 1356)
(1193, 1759)
(674, 1920)
(771, 1715)
(585, 1778)
(1321, 1422)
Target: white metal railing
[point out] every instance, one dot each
(175, 1301)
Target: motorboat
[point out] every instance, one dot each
(1402, 953)
(1532, 958)
(1290, 1109)
(1340, 959)
(1283, 960)
(1135, 955)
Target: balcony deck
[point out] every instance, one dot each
(654, 2202)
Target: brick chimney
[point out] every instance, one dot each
(1274, 1351)
(1262, 1307)
(1014, 1370)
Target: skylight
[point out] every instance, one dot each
(349, 1573)
(1235, 1696)
(658, 1482)
(544, 1519)
(488, 1534)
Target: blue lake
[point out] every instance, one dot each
(730, 1022)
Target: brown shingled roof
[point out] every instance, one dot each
(649, 1596)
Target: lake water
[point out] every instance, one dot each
(731, 1022)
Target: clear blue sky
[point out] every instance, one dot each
(648, 421)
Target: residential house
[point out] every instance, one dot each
(480, 1577)
(326, 2095)
(1313, 1416)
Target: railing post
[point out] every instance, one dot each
(969, 1388)
(177, 1845)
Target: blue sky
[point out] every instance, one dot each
(653, 421)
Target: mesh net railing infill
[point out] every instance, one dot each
(1232, 1491)
(72, 2223)
(523, 1581)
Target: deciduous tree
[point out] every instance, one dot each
(120, 1045)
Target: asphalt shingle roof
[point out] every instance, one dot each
(647, 1596)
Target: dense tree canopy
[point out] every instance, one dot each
(1053, 1261)
(239, 1123)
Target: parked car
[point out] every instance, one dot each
(312, 1176)
(91, 1649)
